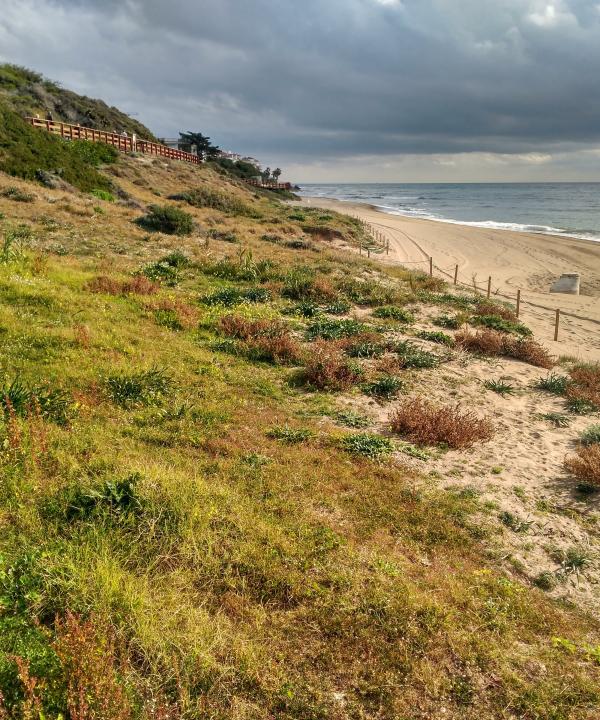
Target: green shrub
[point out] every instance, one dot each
(23, 400)
(27, 151)
(581, 406)
(559, 420)
(291, 436)
(499, 387)
(103, 195)
(392, 312)
(167, 219)
(223, 235)
(306, 309)
(351, 419)
(371, 446)
(412, 356)
(341, 307)
(387, 387)
(94, 153)
(242, 268)
(366, 346)
(207, 197)
(590, 436)
(14, 193)
(446, 321)
(368, 292)
(329, 329)
(553, 383)
(117, 497)
(14, 243)
(437, 337)
(142, 388)
(495, 322)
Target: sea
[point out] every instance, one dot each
(568, 209)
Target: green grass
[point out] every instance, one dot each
(24, 151)
(385, 387)
(440, 338)
(495, 322)
(391, 312)
(412, 357)
(329, 329)
(500, 387)
(553, 383)
(198, 541)
(167, 219)
(591, 435)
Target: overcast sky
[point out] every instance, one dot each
(332, 90)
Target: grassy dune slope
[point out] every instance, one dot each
(191, 528)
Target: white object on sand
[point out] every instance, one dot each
(568, 283)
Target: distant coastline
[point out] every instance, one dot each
(568, 210)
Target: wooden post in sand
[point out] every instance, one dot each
(518, 303)
(431, 266)
(556, 324)
(387, 246)
(489, 290)
(456, 275)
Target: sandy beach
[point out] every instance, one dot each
(526, 261)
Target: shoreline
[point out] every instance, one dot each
(529, 261)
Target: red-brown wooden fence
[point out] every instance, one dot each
(121, 142)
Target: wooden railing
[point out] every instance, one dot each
(268, 185)
(124, 143)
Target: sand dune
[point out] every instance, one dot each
(515, 260)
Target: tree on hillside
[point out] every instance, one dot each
(276, 174)
(266, 174)
(204, 147)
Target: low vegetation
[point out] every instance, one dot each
(167, 219)
(427, 424)
(494, 343)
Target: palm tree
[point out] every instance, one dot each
(276, 174)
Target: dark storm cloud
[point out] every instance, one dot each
(331, 77)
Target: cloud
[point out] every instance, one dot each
(293, 82)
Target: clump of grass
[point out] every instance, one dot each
(18, 195)
(302, 283)
(103, 195)
(15, 241)
(167, 219)
(515, 523)
(351, 419)
(290, 436)
(583, 392)
(553, 383)
(488, 308)
(138, 285)
(174, 314)
(207, 197)
(234, 296)
(339, 307)
(223, 235)
(167, 270)
(306, 309)
(411, 356)
(24, 400)
(326, 368)
(428, 424)
(449, 322)
(368, 445)
(328, 329)
(385, 387)
(393, 312)
(559, 420)
(365, 345)
(590, 436)
(244, 267)
(263, 340)
(494, 343)
(499, 386)
(368, 292)
(438, 337)
(142, 388)
(495, 322)
(585, 465)
(118, 497)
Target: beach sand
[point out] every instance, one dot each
(526, 261)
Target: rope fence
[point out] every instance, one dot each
(379, 243)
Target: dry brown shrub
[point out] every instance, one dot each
(585, 383)
(138, 285)
(428, 424)
(82, 335)
(244, 329)
(586, 464)
(486, 307)
(281, 349)
(323, 290)
(492, 342)
(187, 315)
(268, 340)
(326, 368)
(91, 664)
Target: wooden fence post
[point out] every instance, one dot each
(556, 324)
(456, 275)
(431, 266)
(518, 302)
(387, 246)
(489, 290)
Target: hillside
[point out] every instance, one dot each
(224, 493)
(29, 93)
